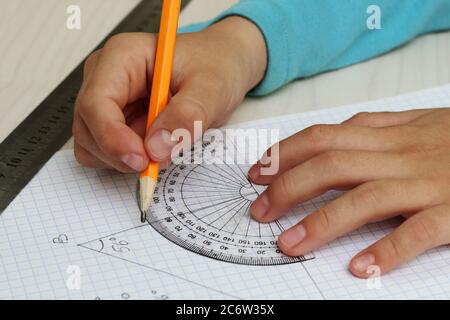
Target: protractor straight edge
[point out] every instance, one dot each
(49, 126)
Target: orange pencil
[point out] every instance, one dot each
(160, 92)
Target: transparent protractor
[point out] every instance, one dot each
(220, 195)
(204, 208)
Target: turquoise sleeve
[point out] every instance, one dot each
(307, 37)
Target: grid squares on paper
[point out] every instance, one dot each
(64, 199)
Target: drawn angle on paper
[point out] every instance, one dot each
(204, 208)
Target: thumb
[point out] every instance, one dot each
(200, 98)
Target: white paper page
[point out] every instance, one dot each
(74, 233)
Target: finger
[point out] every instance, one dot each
(200, 98)
(370, 202)
(425, 230)
(86, 159)
(119, 78)
(90, 63)
(139, 125)
(320, 138)
(135, 110)
(330, 170)
(84, 139)
(385, 119)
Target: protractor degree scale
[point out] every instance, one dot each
(204, 207)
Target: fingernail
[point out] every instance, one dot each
(260, 206)
(134, 161)
(293, 236)
(254, 171)
(160, 144)
(362, 263)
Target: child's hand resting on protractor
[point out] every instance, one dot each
(213, 71)
(395, 164)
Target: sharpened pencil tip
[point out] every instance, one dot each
(146, 189)
(143, 216)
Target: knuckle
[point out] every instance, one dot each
(331, 160)
(193, 111)
(360, 117)
(392, 248)
(370, 194)
(83, 103)
(107, 142)
(319, 133)
(90, 61)
(81, 157)
(423, 230)
(286, 187)
(115, 41)
(324, 218)
(128, 45)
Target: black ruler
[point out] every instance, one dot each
(49, 126)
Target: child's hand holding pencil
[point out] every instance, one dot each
(212, 72)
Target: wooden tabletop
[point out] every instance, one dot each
(37, 51)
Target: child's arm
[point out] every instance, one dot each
(306, 37)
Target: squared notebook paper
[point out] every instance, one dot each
(74, 233)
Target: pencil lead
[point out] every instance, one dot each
(146, 190)
(143, 216)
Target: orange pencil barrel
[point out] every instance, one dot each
(163, 69)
